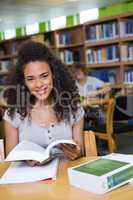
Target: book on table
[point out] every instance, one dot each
(20, 172)
(27, 150)
(102, 174)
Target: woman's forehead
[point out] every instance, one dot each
(36, 67)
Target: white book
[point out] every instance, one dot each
(20, 172)
(102, 174)
(27, 150)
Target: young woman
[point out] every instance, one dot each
(43, 101)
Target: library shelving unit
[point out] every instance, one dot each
(8, 53)
(104, 46)
(70, 44)
(109, 48)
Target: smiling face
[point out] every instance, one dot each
(38, 79)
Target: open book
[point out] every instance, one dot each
(27, 150)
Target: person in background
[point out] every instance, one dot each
(91, 91)
(43, 102)
(89, 87)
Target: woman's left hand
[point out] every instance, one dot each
(71, 152)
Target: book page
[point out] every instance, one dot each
(27, 150)
(20, 172)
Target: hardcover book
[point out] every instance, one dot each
(103, 174)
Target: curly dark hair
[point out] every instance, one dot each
(33, 51)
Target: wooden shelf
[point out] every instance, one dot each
(7, 57)
(124, 85)
(126, 38)
(89, 43)
(69, 28)
(103, 65)
(70, 46)
(127, 62)
(52, 47)
(125, 15)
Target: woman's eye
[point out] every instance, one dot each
(29, 79)
(44, 76)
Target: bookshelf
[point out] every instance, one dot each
(8, 53)
(70, 45)
(109, 48)
(104, 46)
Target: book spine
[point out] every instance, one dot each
(120, 177)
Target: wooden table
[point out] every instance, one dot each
(59, 189)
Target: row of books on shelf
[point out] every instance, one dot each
(63, 39)
(5, 65)
(110, 75)
(69, 56)
(2, 80)
(103, 55)
(126, 27)
(128, 76)
(102, 31)
(105, 75)
(11, 48)
(127, 52)
(108, 30)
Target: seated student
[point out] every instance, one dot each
(45, 105)
(91, 90)
(89, 87)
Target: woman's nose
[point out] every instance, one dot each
(38, 83)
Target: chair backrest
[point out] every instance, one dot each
(102, 131)
(90, 147)
(108, 109)
(3, 107)
(109, 106)
(123, 107)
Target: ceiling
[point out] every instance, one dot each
(15, 13)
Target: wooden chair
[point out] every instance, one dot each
(90, 143)
(105, 131)
(3, 107)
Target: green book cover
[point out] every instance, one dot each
(100, 167)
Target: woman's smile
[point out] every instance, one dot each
(42, 90)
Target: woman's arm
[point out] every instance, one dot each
(11, 136)
(105, 89)
(73, 153)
